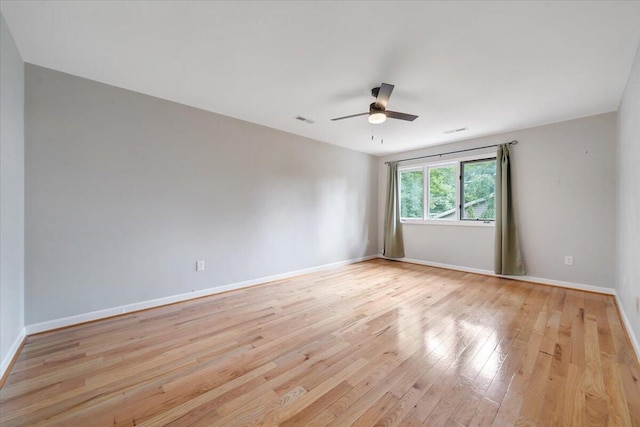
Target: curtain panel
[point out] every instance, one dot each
(393, 242)
(508, 259)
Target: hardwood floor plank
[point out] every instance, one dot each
(378, 343)
(538, 381)
(617, 412)
(485, 415)
(631, 380)
(401, 408)
(574, 407)
(593, 385)
(192, 404)
(553, 402)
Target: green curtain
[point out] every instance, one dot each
(393, 244)
(508, 259)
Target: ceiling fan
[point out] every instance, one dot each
(378, 112)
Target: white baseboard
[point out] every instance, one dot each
(13, 352)
(629, 328)
(143, 305)
(543, 281)
(441, 265)
(562, 284)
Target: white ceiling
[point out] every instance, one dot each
(488, 66)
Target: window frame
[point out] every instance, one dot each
(424, 181)
(428, 189)
(461, 189)
(425, 167)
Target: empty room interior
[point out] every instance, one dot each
(316, 213)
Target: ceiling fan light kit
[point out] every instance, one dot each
(376, 117)
(378, 110)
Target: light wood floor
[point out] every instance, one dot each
(374, 343)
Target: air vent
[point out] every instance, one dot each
(304, 119)
(455, 130)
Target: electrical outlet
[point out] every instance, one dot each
(637, 304)
(200, 265)
(568, 260)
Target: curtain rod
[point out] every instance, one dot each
(514, 142)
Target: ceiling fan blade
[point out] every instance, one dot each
(383, 94)
(401, 116)
(348, 117)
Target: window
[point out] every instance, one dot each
(461, 191)
(442, 191)
(479, 189)
(412, 191)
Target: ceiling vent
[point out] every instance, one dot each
(455, 130)
(303, 119)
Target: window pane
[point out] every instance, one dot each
(479, 188)
(411, 194)
(442, 192)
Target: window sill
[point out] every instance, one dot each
(449, 223)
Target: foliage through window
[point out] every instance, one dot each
(442, 191)
(412, 190)
(453, 191)
(479, 189)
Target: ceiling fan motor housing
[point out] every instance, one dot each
(375, 108)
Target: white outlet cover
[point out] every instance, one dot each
(199, 265)
(568, 260)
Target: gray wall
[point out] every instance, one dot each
(564, 183)
(11, 191)
(124, 192)
(628, 254)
